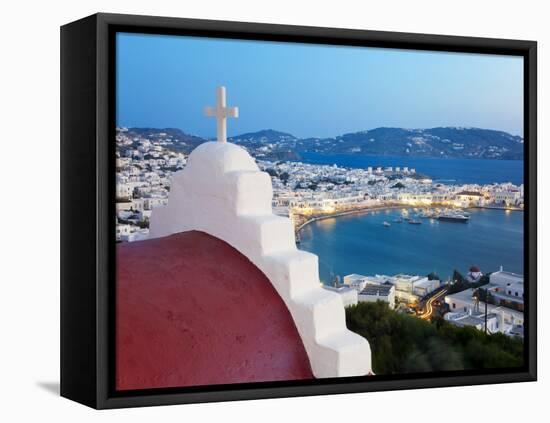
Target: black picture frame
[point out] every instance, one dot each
(87, 231)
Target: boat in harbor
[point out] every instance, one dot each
(386, 223)
(459, 216)
(436, 243)
(398, 220)
(414, 222)
(454, 217)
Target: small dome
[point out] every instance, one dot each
(218, 157)
(191, 310)
(474, 269)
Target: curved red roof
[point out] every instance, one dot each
(191, 310)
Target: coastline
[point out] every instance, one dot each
(387, 207)
(348, 212)
(498, 208)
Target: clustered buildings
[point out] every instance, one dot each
(501, 309)
(144, 166)
(311, 189)
(143, 171)
(393, 290)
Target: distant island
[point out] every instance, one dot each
(442, 142)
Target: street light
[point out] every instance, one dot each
(475, 296)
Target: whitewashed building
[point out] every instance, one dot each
(348, 295)
(475, 319)
(355, 281)
(463, 302)
(507, 287)
(469, 198)
(425, 286)
(384, 292)
(508, 197)
(123, 190)
(233, 204)
(416, 285)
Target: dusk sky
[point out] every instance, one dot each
(311, 90)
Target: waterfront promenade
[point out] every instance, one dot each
(302, 221)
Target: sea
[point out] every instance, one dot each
(450, 171)
(360, 243)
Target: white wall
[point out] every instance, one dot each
(30, 272)
(233, 203)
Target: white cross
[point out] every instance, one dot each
(221, 112)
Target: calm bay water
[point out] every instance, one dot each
(443, 170)
(361, 244)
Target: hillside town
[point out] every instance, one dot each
(306, 192)
(492, 302)
(301, 191)
(143, 170)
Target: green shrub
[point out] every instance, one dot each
(406, 344)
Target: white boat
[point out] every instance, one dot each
(454, 217)
(386, 223)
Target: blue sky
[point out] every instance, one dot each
(311, 90)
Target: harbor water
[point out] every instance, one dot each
(361, 243)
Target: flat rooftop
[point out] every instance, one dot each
(383, 290)
(466, 296)
(508, 274)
